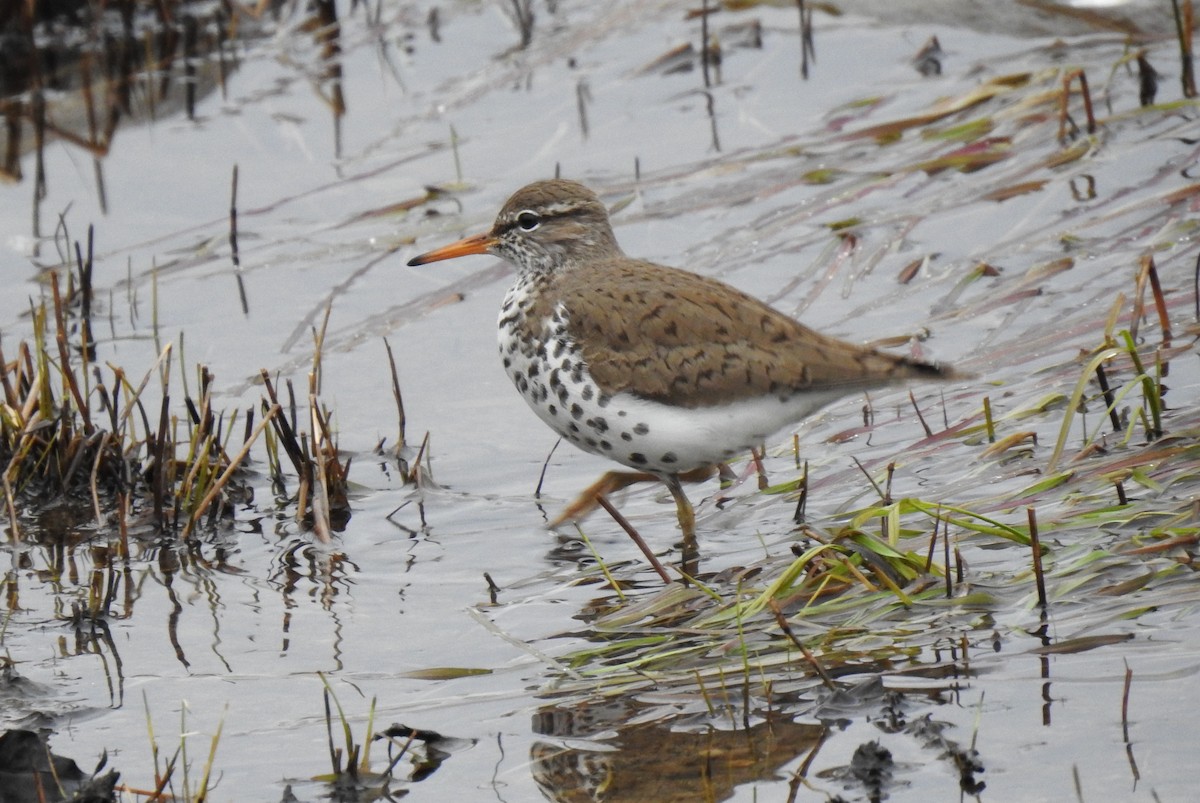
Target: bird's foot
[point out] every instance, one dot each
(613, 481)
(586, 502)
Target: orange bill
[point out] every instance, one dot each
(479, 244)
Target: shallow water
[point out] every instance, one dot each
(234, 628)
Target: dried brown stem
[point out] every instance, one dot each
(220, 483)
(782, 621)
(912, 398)
(635, 536)
(1184, 25)
(1064, 115)
(1036, 545)
(400, 442)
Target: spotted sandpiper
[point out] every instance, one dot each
(662, 370)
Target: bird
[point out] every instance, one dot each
(665, 371)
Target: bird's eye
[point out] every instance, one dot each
(528, 221)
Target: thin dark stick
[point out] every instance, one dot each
(802, 502)
(9, 394)
(403, 752)
(1064, 116)
(870, 479)
(396, 395)
(946, 561)
(493, 589)
(537, 493)
(782, 621)
(805, 38)
(1125, 702)
(415, 476)
(523, 11)
(704, 43)
(1183, 29)
(160, 473)
(802, 770)
(633, 534)
(1196, 286)
(1147, 81)
(1125, 724)
(810, 46)
(1102, 379)
(1037, 557)
(61, 338)
(583, 96)
(1160, 303)
(933, 538)
(287, 433)
(85, 278)
(1087, 102)
(233, 243)
(712, 120)
(1139, 299)
(334, 753)
(921, 418)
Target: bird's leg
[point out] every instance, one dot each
(586, 502)
(683, 507)
(689, 548)
(613, 481)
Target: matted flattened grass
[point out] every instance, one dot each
(1109, 507)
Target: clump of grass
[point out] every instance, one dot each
(351, 763)
(67, 433)
(322, 499)
(50, 443)
(1120, 348)
(351, 776)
